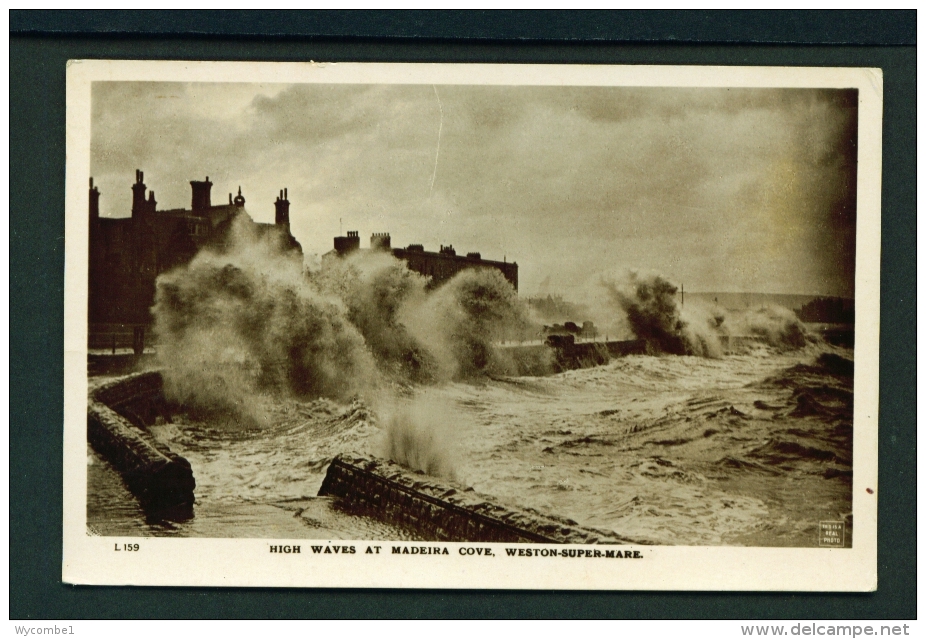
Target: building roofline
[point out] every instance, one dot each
(464, 258)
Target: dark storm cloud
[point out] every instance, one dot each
(726, 189)
(304, 114)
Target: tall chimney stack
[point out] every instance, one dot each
(202, 195)
(94, 201)
(138, 193)
(282, 209)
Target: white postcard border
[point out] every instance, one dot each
(249, 562)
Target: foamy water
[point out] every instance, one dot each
(742, 450)
(672, 450)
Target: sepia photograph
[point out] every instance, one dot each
(487, 312)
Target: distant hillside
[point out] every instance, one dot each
(739, 301)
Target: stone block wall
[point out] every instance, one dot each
(117, 414)
(130, 389)
(536, 360)
(437, 511)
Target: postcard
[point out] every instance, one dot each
(471, 326)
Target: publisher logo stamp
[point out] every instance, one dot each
(833, 534)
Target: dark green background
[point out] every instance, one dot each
(41, 43)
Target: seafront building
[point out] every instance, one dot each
(127, 254)
(440, 266)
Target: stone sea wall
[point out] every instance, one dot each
(438, 511)
(118, 412)
(566, 354)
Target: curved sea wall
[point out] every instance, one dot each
(119, 411)
(117, 415)
(440, 512)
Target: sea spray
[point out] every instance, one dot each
(375, 287)
(426, 335)
(777, 326)
(462, 322)
(417, 433)
(243, 321)
(649, 307)
(651, 311)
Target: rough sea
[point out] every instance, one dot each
(747, 449)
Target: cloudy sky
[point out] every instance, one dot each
(740, 190)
